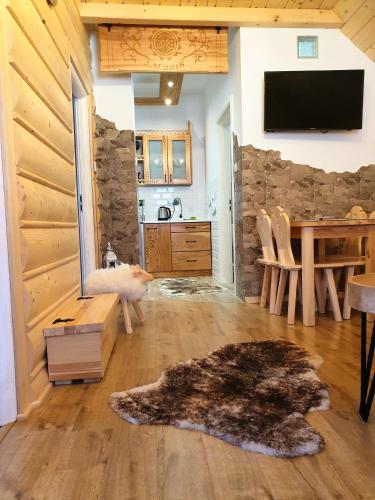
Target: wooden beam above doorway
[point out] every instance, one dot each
(97, 13)
(165, 91)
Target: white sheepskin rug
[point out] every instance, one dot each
(124, 279)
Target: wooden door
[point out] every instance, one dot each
(155, 159)
(179, 159)
(158, 248)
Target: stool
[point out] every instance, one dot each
(361, 296)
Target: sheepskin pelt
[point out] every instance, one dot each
(253, 395)
(119, 279)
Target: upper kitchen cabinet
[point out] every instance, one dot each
(164, 158)
(179, 159)
(155, 159)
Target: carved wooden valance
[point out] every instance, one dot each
(160, 49)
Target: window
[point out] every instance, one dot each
(307, 47)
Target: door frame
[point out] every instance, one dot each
(225, 121)
(8, 393)
(84, 176)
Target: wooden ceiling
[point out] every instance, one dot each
(274, 4)
(356, 18)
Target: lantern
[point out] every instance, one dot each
(110, 258)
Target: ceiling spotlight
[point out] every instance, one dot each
(168, 101)
(170, 84)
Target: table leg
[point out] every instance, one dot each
(307, 243)
(367, 394)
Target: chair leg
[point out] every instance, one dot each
(274, 280)
(138, 311)
(281, 291)
(333, 294)
(320, 296)
(299, 288)
(265, 286)
(293, 279)
(346, 309)
(128, 322)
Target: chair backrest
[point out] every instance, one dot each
(281, 229)
(353, 246)
(265, 233)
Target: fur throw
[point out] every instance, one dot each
(128, 281)
(253, 395)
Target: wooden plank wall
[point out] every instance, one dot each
(359, 19)
(40, 45)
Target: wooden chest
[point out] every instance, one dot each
(81, 338)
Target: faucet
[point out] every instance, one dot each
(176, 202)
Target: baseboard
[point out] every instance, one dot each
(252, 300)
(181, 274)
(34, 404)
(4, 429)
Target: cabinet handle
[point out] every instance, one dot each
(165, 178)
(191, 260)
(190, 241)
(190, 227)
(170, 178)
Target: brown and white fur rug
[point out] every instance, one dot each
(253, 395)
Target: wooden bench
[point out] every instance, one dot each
(81, 338)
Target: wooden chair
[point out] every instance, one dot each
(269, 261)
(353, 245)
(288, 266)
(352, 251)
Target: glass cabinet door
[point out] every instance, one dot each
(155, 160)
(179, 159)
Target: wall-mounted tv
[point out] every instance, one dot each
(313, 100)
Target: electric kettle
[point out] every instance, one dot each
(164, 213)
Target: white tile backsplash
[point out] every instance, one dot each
(193, 204)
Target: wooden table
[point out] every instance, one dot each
(309, 230)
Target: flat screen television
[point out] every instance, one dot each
(313, 100)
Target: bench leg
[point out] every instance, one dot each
(138, 311)
(128, 322)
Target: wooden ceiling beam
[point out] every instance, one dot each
(98, 13)
(165, 92)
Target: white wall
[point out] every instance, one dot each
(221, 91)
(190, 107)
(275, 49)
(114, 96)
(8, 404)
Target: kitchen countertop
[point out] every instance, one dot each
(173, 221)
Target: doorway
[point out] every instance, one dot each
(84, 177)
(225, 198)
(8, 399)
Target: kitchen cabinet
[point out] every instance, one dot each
(157, 247)
(178, 249)
(164, 159)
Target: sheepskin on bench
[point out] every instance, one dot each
(126, 280)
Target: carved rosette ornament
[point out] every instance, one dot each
(165, 43)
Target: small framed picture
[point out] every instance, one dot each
(307, 47)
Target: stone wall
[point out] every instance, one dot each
(116, 182)
(264, 180)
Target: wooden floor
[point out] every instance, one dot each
(74, 447)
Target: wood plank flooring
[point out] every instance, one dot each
(75, 448)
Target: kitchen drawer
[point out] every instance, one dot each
(190, 227)
(187, 261)
(191, 241)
